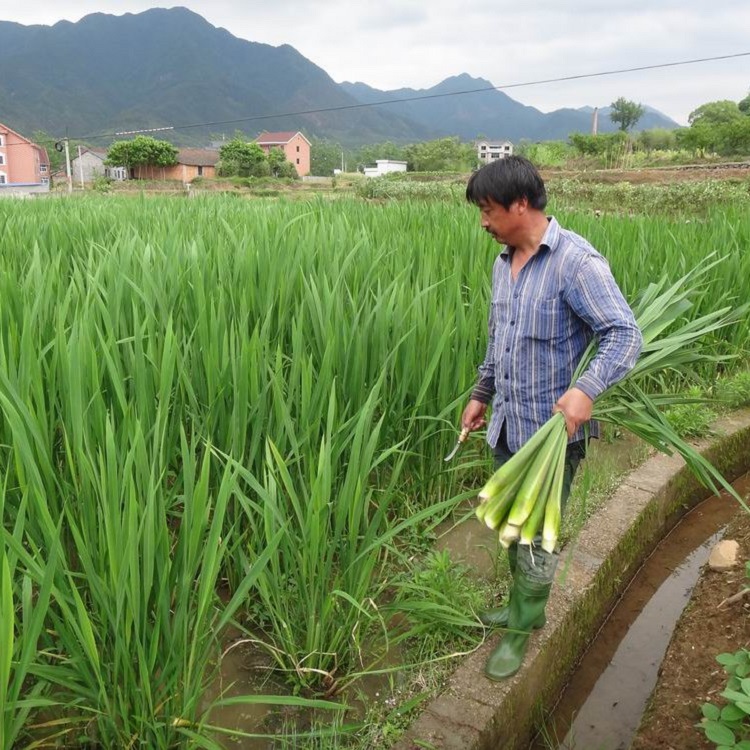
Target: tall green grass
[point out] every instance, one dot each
(252, 397)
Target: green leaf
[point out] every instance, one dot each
(734, 696)
(745, 685)
(710, 711)
(719, 733)
(726, 659)
(730, 713)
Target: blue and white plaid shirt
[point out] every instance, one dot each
(539, 326)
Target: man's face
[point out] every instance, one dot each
(502, 223)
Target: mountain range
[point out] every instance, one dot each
(106, 74)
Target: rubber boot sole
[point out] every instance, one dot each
(507, 658)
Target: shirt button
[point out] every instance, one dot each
(515, 296)
(506, 376)
(512, 322)
(506, 399)
(507, 349)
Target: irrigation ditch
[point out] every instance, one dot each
(475, 714)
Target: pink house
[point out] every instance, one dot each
(22, 163)
(294, 145)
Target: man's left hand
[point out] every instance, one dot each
(576, 407)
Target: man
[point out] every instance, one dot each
(551, 293)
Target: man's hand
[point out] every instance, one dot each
(576, 407)
(473, 416)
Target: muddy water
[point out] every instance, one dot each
(602, 705)
(247, 671)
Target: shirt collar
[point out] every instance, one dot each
(550, 238)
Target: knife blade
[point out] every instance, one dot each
(461, 439)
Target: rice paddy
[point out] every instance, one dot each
(222, 412)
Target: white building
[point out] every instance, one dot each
(488, 151)
(89, 164)
(384, 166)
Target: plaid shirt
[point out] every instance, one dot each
(539, 327)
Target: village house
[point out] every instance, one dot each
(489, 151)
(89, 164)
(385, 166)
(24, 166)
(191, 163)
(295, 146)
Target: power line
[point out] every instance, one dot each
(419, 97)
(362, 105)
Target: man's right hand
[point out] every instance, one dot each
(473, 416)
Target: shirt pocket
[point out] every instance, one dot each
(545, 320)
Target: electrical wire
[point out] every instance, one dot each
(418, 97)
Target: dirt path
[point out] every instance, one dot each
(689, 674)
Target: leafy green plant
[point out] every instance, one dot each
(439, 597)
(693, 418)
(101, 184)
(734, 391)
(322, 621)
(729, 726)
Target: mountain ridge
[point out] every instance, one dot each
(161, 67)
(495, 114)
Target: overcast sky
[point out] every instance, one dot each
(417, 43)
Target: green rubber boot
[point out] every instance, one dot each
(497, 617)
(527, 603)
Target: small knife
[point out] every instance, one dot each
(461, 439)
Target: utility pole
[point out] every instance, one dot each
(595, 121)
(80, 164)
(67, 165)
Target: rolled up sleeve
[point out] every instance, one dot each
(484, 389)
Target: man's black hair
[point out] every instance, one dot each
(506, 181)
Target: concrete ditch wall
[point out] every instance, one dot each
(474, 713)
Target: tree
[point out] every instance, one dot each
(279, 166)
(626, 113)
(325, 156)
(656, 139)
(733, 139)
(441, 155)
(607, 145)
(744, 105)
(698, 138)
(722, 112)
(241, 158)
(369, 153)
(142, 151)
(719, 127)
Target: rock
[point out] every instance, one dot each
(724, 555)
